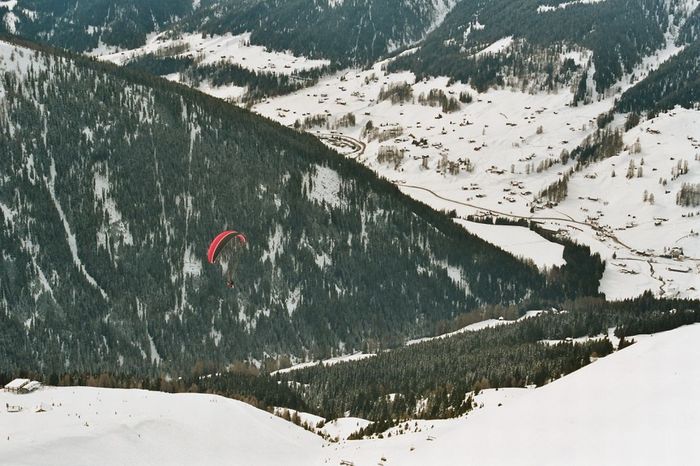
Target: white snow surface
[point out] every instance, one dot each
(635, 407)
(561, 6)
(88, 426)
(343, 427)
(323, 186)
(519, 241)
(497, 47)
(476, 326)
(488, 323)
(326, 362)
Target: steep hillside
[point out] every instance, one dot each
(346, 31)
(488, 43)
(113, 186)
(82, 26)
(676, 82)
(352, 31)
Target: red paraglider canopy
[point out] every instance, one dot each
(221, 240)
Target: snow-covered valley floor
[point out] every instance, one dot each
(636, 407)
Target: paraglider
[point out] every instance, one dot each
(225, 250)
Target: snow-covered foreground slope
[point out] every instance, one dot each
(89, 426)
(634, 407)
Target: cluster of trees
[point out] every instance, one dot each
(390, 154)
(689, 195)
(497, 220)
(322, 120)
(160, 65)
(311, 121)
(581, 274)
(600, 145)
(397, 93)
(437, 97)
(557, 191)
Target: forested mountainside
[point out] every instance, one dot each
(481, 42)
(352, 31)
(345, 31)
(84, 25)
(113, 184)
(676, 82)
(535, 33)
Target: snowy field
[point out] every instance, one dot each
(89, 426)
(519, 241)
(634, 407)
(325, 362)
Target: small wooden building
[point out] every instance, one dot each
(22, 386)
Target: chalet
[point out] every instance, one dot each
(22, 386)
(12, 408)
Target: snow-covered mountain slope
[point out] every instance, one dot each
(190, 52)
(87, 426)
(357, 31)
(81, 26)
(634, 407)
